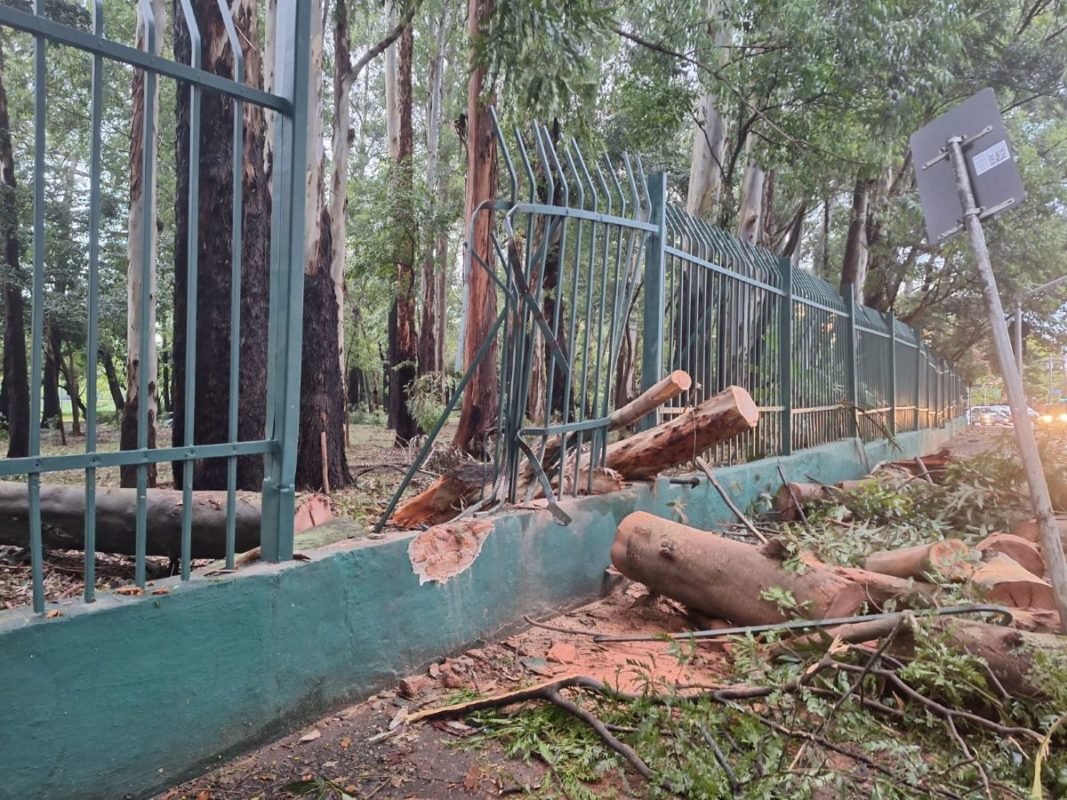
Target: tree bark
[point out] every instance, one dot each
(212, 373)
(16, 388)
(705, 168)
(63, 519)
(434, 260)
(854, 264)
(114, 385)
(403, 341)
(750, 215)
(322, 398)
(342, 142)
(141, 262)
(723, 578)
(52, 408)
(683, 438)
(70, 380)
(480, 400)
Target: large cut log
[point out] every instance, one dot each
(452, 492)
(949, 558)
(63, 519)
(1004, 580)
(723, 578)
(717, 419)
(1016, 548)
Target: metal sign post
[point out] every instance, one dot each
(964, 128)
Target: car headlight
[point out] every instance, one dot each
(1048, 417)
(1063, 417)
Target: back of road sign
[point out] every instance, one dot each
(994, 175)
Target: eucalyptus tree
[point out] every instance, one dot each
(213, 250)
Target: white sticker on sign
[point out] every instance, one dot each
(991, 157)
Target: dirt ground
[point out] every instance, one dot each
(358, 750)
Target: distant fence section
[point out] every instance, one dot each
(604, 287)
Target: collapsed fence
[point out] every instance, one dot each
(603, 287)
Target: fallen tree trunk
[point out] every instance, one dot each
(717, 419)
(639, 457)
(723, 578)
(63, 519)
(947, 558)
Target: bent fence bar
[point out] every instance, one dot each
(277, 445)
(604, 287)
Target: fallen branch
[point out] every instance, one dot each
(550, 692)
(728, 500)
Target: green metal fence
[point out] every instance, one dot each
(277, 444)
(820, 366)
(603, 287)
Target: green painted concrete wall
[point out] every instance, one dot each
(128, 695)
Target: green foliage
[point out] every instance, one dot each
(427, 397)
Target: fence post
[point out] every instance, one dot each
(851, 382)
(918, 374)
(655, 263)
(284, 326)
(891, 322)
(785, 354)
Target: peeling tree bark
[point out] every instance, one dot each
(480, 400)
(141, 264)
(322, 399)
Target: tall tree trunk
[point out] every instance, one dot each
(321, 458)
(705, 168)
(70, 380)
(854, 264)
(824, 240)
(141, 262)
(750, 215)
(215, 220)
(52, 409)
(114, 385)
(429, 356)
(480, 400)
(443, 267)
(342, 143)
(16, 388)
(403, 342)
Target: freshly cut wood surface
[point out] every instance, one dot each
(1026, 553)
(947, 557)
(1004, 580)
